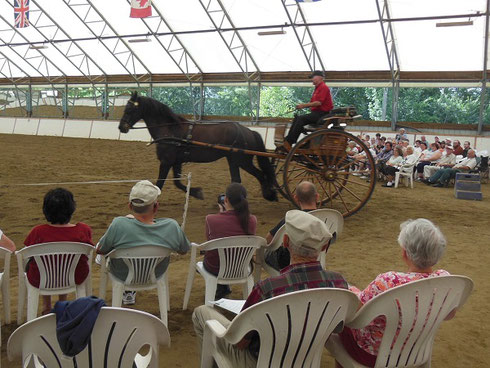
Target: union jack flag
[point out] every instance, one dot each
(21, 13)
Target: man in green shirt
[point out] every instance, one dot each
(142, 228)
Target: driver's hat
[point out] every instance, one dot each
(317, 72)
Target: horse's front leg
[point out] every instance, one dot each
(162, 175)
(195, 192)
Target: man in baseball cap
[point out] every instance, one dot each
(320, 105)
(142, 228)
(306, 236)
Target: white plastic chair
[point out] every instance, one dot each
(235, 254)
(5, 254)
(332, 218)
(422, 306)
(117, 337)
(292, 327)
(56, 262)
(407, 173)
(335, 223)
(141, 262)
(260, 256)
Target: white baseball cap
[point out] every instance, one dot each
(306, 231)
(144, 193)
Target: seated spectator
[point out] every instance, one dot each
(58, 208)
(232, 220)
(436, 139)
(409, 160)
(431, 157)
(467, 147)
(6, 243)
(442, 177)
(141, 228)
(352, 149)
(422, 138)
(421, 149)
(384, 155)
(449, 160)
(306, 236)
(307, 197)
(393, 161)
(457, 149)
(423, 245)
(401, 135)
(362, 161)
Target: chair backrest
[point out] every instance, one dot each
(294, 327)
(5, 254)
(332, 218)
(117, 337)
(141, 262)
(235, 254)
(276, 241)
(413, 314)
(56, 262)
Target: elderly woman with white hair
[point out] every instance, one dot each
(406, 163)
(422, 246)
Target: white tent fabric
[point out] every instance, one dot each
(88, 38)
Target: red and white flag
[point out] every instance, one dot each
(140, 8)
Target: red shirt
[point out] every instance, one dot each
(322, 94)
(48, 234)
(222, 225)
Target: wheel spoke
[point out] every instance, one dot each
(357, 183)
(340, 196)
(348, 190)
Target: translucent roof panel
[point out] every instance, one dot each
(424, 47)
(252, 13)
(424, 8)
(335, 11)
(357, 47)
(184, 15)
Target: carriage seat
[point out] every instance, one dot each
(345, 112)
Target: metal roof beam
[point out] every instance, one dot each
(237, 47)
(392, 55)
(306, 41)
(179, 55)
(69, 55)
(87, 4)
(483, 99)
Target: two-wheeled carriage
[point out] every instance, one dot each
(344, 179)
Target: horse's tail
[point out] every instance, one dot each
(266, 167)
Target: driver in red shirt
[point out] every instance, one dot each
(320, 104)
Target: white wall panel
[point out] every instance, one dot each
(7, 125)
(77, 128)
(26, 126)
(52, 127)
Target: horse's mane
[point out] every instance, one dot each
(154, 107)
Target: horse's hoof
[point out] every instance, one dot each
(197, 193)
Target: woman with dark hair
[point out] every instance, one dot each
(233, 219)
(58, 208)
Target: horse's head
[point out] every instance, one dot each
(132, 113)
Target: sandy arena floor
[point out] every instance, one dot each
(367, 247)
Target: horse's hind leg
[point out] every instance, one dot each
(162, 175)
(234, 170)
(195, 192)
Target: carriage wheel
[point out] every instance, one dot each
(343, 183)
(278, 164)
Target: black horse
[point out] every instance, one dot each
(171, 132)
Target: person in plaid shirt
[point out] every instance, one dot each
(306, 236)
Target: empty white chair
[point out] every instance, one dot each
(235, 254)
(292, 328)
(407, 173)
(413, 313)
(56, 262)
(116, 340)
(141, 262)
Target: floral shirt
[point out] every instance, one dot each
(369, 337)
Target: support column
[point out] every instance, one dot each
(483, 95)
